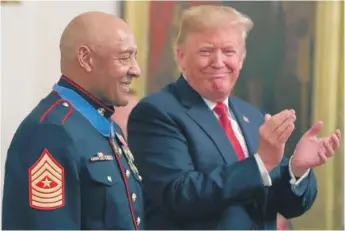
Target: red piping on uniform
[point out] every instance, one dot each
(68, 114)
(52, 107)
(126, 186)
(87, 93)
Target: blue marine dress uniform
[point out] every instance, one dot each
(69, 167)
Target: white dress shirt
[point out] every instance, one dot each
(237, 130)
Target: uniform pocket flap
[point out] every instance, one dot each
(104, 173)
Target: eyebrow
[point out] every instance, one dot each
(129, 50)
(208, 46)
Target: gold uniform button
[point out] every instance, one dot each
(134, 197)
(128, 173)
(138, 221)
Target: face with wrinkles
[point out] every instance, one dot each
(113, 64)
(211, 60)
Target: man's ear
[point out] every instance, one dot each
(84, 58)
(180, 55)
(242, 59)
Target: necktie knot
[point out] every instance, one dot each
(221, 110)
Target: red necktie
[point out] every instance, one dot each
(224, 121)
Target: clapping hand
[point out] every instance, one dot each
(273, 134)
(312, 151)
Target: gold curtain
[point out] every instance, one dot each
(136, 14)
(328, 100)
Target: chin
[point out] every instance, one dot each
(121, 102)
(221, 92)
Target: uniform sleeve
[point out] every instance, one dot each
(41, 187)
(169, 176)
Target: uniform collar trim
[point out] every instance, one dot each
(103, 109)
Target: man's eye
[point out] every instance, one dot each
(229, 52)
(205, 52)
(125, 58)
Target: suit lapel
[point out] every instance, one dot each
(244, 124)
(201, 114)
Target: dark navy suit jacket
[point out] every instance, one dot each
(191, 176)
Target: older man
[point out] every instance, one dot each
(68, 166)
(210, 160)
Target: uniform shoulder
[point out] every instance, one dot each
(45, 123)
(53, 110)
(46, 120)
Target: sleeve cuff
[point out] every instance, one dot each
(293, 179)
(263, 171)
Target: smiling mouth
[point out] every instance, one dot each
(221, 73)
(125, 86)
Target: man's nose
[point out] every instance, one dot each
(135, 70)
(218, 60)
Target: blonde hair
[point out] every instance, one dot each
(203, 17)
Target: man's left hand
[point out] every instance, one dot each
(312, 151)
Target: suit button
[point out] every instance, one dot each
(140, 178)
(134, 197)
(109, 179)
(138, 221)
(128, 173)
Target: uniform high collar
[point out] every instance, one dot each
(103, 109)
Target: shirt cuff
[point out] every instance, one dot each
(263, 171)
(293, 179)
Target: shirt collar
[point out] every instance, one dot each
(212, 104)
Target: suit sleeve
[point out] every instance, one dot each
(169, 176)
(291, 200)
(41, 187)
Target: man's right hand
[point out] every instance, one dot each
(273, 134)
